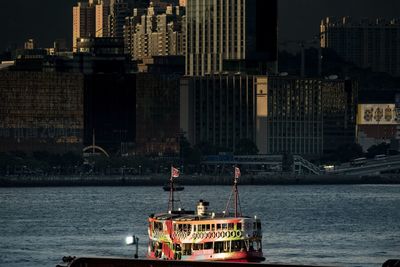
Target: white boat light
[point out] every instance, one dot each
(129, 240)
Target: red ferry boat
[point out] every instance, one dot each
(204, 235)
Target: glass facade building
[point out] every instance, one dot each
(219, 31)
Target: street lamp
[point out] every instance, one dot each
(133, 240)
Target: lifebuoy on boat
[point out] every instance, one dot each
(233, 234)
(238, 233)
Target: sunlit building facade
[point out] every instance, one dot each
(157, 31)
(84, 21)
(230, 34)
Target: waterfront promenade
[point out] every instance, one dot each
(160, 179)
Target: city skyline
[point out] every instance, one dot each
(24, 20)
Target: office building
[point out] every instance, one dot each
(294, 118)
(84, 22)
(156, 31)
(228, 35)
(366, 43)
(157, 114)
(41, 111)
(218, 109)
(119, 9)
(103, 18)
(281, 115)
(310, 116)
(339, 107)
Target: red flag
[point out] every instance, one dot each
(174, 172)
(237, 173)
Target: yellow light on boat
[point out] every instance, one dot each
(129, 240)
(255, 217)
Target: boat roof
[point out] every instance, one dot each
(188, 216)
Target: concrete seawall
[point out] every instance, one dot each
(158, 180)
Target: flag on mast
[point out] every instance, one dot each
(237, 173)
(174, 173)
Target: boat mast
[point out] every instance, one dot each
(235, 188)
(171, 191)
(236, 195)
(234, 191)
(174, 174)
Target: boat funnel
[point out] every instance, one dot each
(202, 207)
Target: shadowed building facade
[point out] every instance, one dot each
(366, 43)
(281, 115)
(41, 111)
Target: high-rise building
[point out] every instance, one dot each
(233, 35)
(102, 18)
(119, 9)
(156, 31)
(84, 22)
(309, 116)
(219, 110)
(368, 44)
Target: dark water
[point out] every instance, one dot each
(351, 225)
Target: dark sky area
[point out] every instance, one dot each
(47, 20)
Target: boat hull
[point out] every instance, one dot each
(204, 256)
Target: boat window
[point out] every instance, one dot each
(230, 226)
(239, 226)
(189, 228)
(227, 246)
(224, 226)
(218, 226)
(254, 225)
(218, 247)
(259, 225)
(187, 249)
(208, 245)
(197, 246)
(212, 227)
(258, 243)
(195, 228)
(208, 227)
(158, 226)
(238, 245)
(251, 246)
